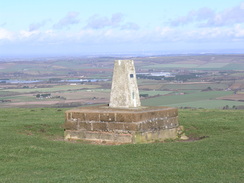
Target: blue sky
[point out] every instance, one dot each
(82, 27)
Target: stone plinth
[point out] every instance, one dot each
(116, 125)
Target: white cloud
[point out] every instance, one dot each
(239, 31)
(112, 37)
(159, 34)
(163, 31)
(27, 34)
(5, 34)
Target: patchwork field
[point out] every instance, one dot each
(199, 81)
(177, 95)
(200, 62)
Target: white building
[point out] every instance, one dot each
(165, 74)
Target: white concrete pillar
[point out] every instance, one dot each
(124, 90)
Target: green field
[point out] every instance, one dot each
(193, 65)
(52, 89)
(212, 65)
(234, 66)
(20, 98)
(208, 104)
(153, 93)
(196, 99)
(4, 93)
(156, 66)
(32, 150)
(197, 86)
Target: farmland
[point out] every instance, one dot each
(199, 81)
(202, 98)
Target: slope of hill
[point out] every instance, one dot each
(32, 150)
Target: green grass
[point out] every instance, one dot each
(153, 93)
(198, 98)
(19, 67)
(207, 66)
(19, 98)
(31, 152)
(52, 89)
(188, 91)
(197, 86)
(208, 104)
(234, 66)
(213, 65)
(4, 93)
(158, 66)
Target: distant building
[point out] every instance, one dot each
(165, 74)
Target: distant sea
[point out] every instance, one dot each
(15, 58)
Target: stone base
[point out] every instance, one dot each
(118, 125)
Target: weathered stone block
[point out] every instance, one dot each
(108, 136)
(71, 125)
(107, 117)
(72, 134)
(125, 117)
(77, 115)
(85, 125)
(113, 126)
(90, 116)
(131, 126)
(124, 138)
(99, 126)
(136, 125)
(92, 135)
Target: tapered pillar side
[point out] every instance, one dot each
(124, 90)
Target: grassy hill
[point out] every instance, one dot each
(32, 150)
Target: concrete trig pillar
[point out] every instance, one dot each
(124, 90)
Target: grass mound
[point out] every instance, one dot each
(32, 150)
